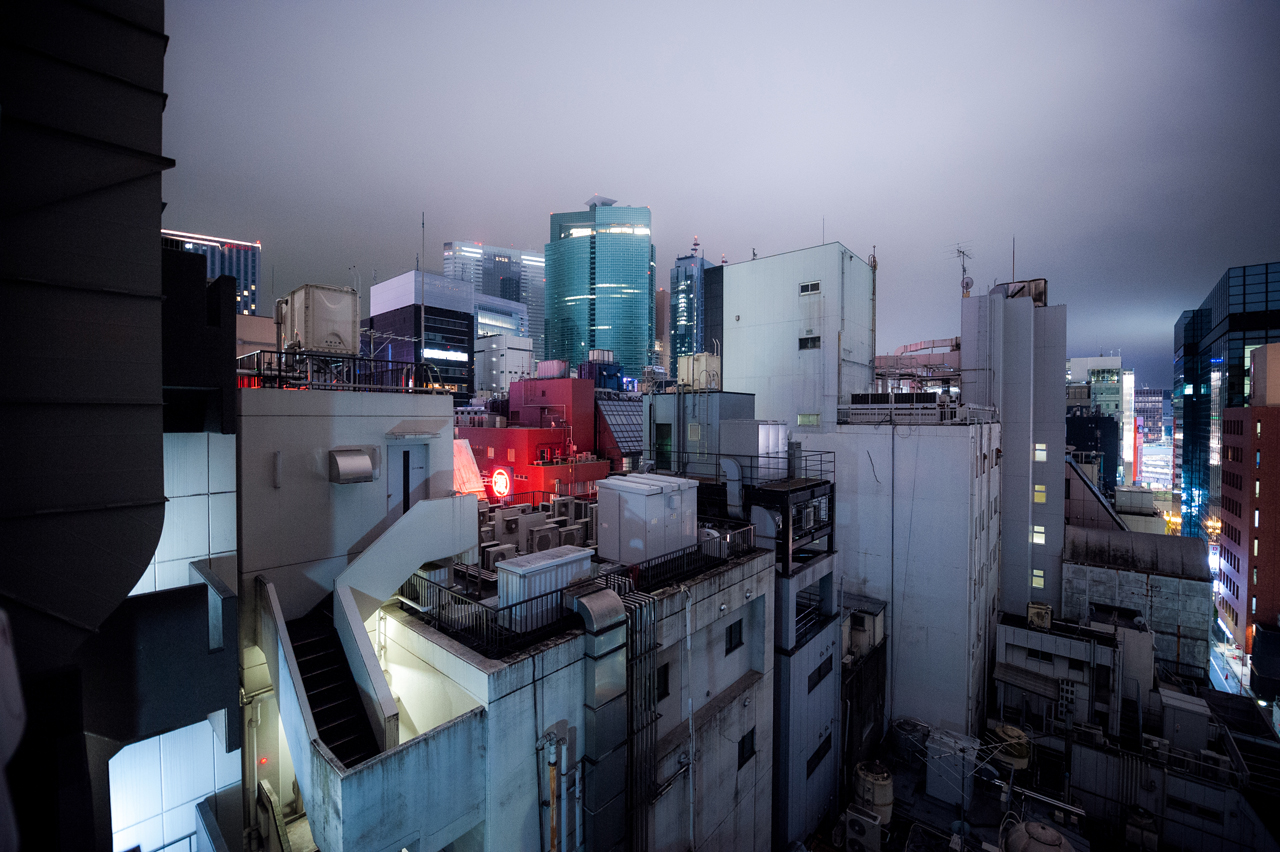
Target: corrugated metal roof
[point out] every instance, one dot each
(623, 417)
(1033, 682)
(1148, 553)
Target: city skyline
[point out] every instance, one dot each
(1128, 149)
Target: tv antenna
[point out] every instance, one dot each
(966, 283)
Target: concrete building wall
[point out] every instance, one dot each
(917, 524)
(502, 359)
(1012, 357)
(305, 532)
(766, 315)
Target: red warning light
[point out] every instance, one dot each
(501, 483)
(263, 761)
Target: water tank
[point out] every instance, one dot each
(320, 318)
(1035, 837)
(873, 789)
(1016, 751)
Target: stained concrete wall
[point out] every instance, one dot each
(917, 524)
(1180, 611)
(765, 315)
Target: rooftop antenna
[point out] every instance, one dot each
(753, 254)
(695, 245)
(1014, 273)
(424, 233)
(723, 262)
(966, 283)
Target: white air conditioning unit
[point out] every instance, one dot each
(573, 535)
(807, 522)
(487, 533)
(497, 554)
(1155, 748)
(543, 538)
(861, 830)
(511, 525)
(592, 524)
(562, 507)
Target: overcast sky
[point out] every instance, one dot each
(1133, 149)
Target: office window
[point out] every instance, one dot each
(807, 420)
(1040, 494)
(664, 680)
(1042, 453)
(1257, 487)
(1255, 519)
(810, 287)
(1041, 656)
(1253, 605)
(811, 343)
(490, 452)
(815, 759)
(1257, 458)
(1066, 488)
(746, 747)
(733, 637)
(511, 454)
(1037, 535)
(1259, 429)
(820, 673)
(1037, 578)
(1255, 547)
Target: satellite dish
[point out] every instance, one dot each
(966, 284)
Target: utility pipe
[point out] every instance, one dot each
(578, 841)
(564, 797)
(688, 677)
(553, 835)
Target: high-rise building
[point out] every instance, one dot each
(1247, 587)
(688, 305)
(1149, 405)
(236, 258)
(1212, 346)
(1111, 392)
(662, 326)
(600, 284)
(517, 275)
(1013, 346)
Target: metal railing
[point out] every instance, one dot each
(493, 631)
(919, 414)
(305, 370)
(497, 631)
(756, 469)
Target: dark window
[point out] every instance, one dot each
(664, 680)
(815, 759)
(733, 637)
(810, 287)
(1076, 665)
(1067, 490)
(811, 343)
(746, 747)
(817, 675)
(1042, 656)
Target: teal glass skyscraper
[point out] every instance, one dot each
(600, 268)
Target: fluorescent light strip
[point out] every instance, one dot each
(212, 240)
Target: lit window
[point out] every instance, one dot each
(1255, 547)
(1037, 578)
(490, 452)
(1042, 453)
(1257, 486)
(807, 420)
(1259, 429)
(1255, 519)
(1253, 605)
(1040, 494)
(511, 454)
(1037, 535)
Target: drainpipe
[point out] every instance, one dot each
(688, 676)
(554, 834)
(578, 841)
(564, 797)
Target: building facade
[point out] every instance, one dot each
(799, 333)
(1111, 392)
(516, 275)
(1247, 588)
(1013, 346)
(687, 309)
(501, 359)
(1213, 348)
(239, 259)
(600, 285)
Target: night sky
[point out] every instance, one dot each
(1133, 149)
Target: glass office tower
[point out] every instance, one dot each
(236, 258)
(600, 270)
(1213, 346)
(512, 274)
(688, 306)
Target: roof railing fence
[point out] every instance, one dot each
(307, 370)
(496, 631)
(755, 469)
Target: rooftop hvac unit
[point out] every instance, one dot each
(560, 522)
(1156, 748)
(1039, 616)
(573, 535)
(543, 538)
(487, 533)
(498, 554)
(511, 524)
(861, 830)
(592, 524)
(580, 509)
(562, 507)
(806, 519)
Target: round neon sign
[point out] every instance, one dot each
(501, 483)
